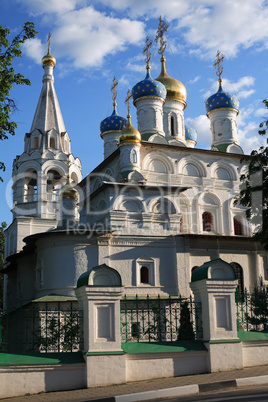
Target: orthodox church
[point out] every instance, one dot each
(156, 207)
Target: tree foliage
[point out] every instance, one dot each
(254, 191)
(9, 50)
(2, 259)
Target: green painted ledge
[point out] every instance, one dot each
(162, 347)
(10, 359)
(252, 336)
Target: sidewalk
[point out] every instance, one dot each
(164, 387)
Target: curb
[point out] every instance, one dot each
(185, 390)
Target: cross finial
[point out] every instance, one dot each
(129, 96)
(113, 89)
(48, 42)
(147, 53)
(162, 28)
(218, 64)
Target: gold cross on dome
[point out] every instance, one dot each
(129, 96)
(48, 41)
(218, 64)
(146, 50)
(162, 28)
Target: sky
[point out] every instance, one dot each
(95, 40)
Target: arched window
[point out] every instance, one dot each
(239, 276)
(52, 142)
(35, 142)
(30, 186)
(53, 185)
(207, 220)
(172, 126)
(144, 274)
(238, 226)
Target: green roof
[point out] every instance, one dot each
(162, 347)
(201, 272)
(54, 298)
(84, 279)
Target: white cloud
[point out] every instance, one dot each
(227, 26)
(193, 81)
(50, 6)
(34, 49)
(261, 112)
(201, 125)
(86, 36)
(237, 88)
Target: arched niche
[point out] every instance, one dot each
(100, 276)
(215, 269)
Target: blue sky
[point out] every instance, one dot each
(94, 40)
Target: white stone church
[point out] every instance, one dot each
(153, 210)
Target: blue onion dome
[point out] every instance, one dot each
(148, 87)
(113, 123)
(221, 99)
(190, 133)
(175, 89)
(129, 133)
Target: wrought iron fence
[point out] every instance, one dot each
(252, 310)
(148, 319)
(45, 329)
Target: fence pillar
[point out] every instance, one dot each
(214, 285)
(99, 293)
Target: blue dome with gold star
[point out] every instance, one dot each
(113, 123)
(148, 87)
(221, 99)
(190, 133)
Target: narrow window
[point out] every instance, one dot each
(35, 142)
(144, 277)
(52, 143)
(172, 126)
(238, 226)
(207, 219)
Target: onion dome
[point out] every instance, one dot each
(68, 191)
(129, 133)
(113, 123)
(175, 89)
(221, 99)
(48, 59)
(190, 133)
(148, 87)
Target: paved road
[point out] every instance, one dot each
(248, 394)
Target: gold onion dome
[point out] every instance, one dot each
(175, 89)
(68, 191)
(48, 59)
(129, 133)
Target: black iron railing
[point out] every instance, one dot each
(157, 319)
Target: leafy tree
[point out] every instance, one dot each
(2, 258)
(254, 191)
(9, 50)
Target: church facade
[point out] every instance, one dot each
(156, 208)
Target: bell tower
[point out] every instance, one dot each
(41, 170)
